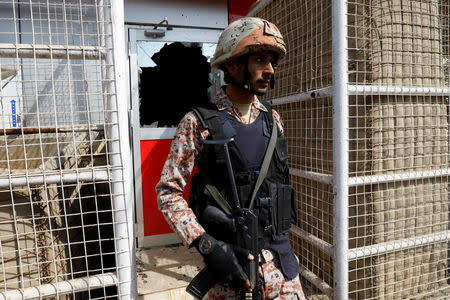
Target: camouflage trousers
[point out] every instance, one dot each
(274, 283)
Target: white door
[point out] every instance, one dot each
(158, 78)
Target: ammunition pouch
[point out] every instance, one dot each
(280, 207)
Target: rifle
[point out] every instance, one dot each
(245, 224)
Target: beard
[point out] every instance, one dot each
(262, 81)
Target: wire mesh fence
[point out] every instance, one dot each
(59, 215)
(398, 145)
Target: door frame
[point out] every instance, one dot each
(134, 34)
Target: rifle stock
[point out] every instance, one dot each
(201, 283)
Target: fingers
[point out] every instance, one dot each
(242, 277)
(248, 286)
(240, 274)
(240, 253)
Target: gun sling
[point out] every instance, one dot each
(262, 174)
(214, 192)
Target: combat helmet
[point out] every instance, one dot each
(246, 35)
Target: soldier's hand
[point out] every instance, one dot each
(220, 257)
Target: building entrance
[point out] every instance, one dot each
(169, 72)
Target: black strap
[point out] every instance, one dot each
(210, 119)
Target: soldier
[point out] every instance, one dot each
(247, 51)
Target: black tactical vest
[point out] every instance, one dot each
(275, 204)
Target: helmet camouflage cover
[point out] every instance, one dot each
(245, 36)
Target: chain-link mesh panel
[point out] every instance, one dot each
(57, 210)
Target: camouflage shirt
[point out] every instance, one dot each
(184, 153)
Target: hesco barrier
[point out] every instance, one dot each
(369, 149)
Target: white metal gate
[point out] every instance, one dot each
(364, 94)
(64, 220)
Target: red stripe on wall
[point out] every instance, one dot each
(238, 9)
(153, 157)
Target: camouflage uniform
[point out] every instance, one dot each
(275, 286)
(186, 150)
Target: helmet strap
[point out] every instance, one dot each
(244, 84)
(247, 80)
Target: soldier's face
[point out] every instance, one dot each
(261, 69)
(260, 66)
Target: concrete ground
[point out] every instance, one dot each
(164, 272)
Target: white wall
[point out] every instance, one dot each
(58, 91)
(197, 13)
